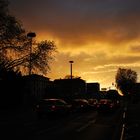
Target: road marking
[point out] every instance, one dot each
(85, 126)
(122, 132)
(124, 115)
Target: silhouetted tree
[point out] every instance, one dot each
(15, 57)
(15, 45)
(125, 80)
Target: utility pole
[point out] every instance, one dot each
(30, 35)
(71, 62)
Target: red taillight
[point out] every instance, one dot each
(53, 107)
(111, 105)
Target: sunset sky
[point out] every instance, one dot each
(98, 35)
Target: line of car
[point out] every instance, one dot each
(108, 105)
(54, 106)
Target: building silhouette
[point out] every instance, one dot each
(70, 88)
(92, 90)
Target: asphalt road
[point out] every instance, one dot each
(81, 126)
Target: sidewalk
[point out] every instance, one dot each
(132, 130)
(19, 117)
(12, 123)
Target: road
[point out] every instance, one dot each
(79, 126)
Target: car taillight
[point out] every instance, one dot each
(111, 105)
(53, 107)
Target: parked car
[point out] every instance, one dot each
(80, 105)
(93, 103)
(105, 105)
(47, 107)
(117, 104)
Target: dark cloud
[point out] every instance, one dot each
(77, 22)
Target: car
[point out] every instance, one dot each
(80, 105)
(93, 103)
(52, 107)
(117, 104)
(105, 105)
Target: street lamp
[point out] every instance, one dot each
(30, 35)
(71, 68)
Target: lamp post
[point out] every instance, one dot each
(30, 35)
(71, 62)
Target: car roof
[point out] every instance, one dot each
(80, 100)
(105, 100)
(51, 99)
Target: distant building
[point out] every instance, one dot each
(136, 92)
(35, 87)
(70, 88)
(92, 90)
(137, 88)
(103, 89)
